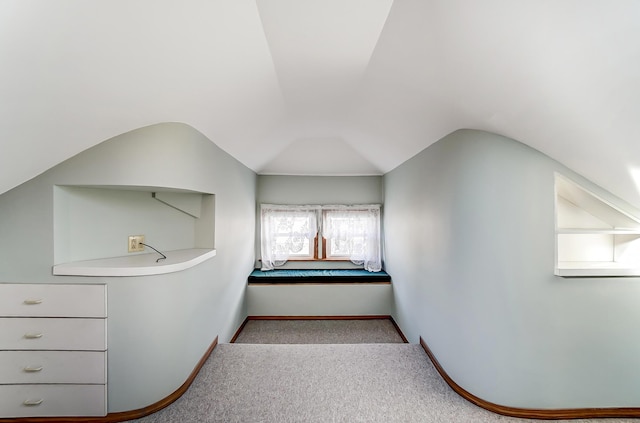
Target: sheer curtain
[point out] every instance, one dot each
(286, 230)
(355, 231)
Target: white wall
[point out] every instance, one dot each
(158, 326)
(470, 244)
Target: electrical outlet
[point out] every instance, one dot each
(135, 243)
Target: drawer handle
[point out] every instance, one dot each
(33, 369)
(33, 335)
(32, 302)
(33, 402)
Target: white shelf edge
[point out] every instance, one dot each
(136, 265)
(595, 231)
(594, 269)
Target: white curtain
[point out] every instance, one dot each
(284, 231)
(355, 230)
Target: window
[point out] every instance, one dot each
(353, 233)
(292, 234)
(347, 233)
(287, 232)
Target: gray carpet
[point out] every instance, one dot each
(301, 371)
(249, 383)
(367, 331)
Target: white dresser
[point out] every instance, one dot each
(53, 350)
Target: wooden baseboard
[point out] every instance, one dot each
(357, 317)
(235, 335)
(124, 415)
(395, 325)
(530, 413)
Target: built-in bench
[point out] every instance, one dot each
(280, 276)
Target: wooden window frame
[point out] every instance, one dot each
(317, 249)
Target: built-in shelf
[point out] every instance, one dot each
(593, 236)
(595, 231)
(594, 269)
(137, 265)
(92, 226)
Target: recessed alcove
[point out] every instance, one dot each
(593, 236)
(92, 225)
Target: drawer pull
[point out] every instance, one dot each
(33, 369)
(33, 402)
(33, 335)
(32, 302)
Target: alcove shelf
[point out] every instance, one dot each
(595, 269)
(594, 237)
(137, 265)
(92, 225)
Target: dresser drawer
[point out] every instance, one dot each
(53, 367)
(48, 300)
(53, 334)
(52, 400)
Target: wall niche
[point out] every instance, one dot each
(92, 225)
(593, 236)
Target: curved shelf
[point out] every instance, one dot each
(598, 268)
(136, 265)
(591, 231)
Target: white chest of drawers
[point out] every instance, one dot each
(53, 350)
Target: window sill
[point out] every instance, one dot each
(310, 260)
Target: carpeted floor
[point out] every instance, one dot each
(287, 383)
(369, 331)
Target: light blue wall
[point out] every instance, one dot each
(357, 299)
(158, 326)
(282, 189)
(470, 245)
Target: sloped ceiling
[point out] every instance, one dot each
(324, 87)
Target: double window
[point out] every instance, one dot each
(321, 233)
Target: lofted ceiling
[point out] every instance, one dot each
(324, 87)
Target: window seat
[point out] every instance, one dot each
(280, 276)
